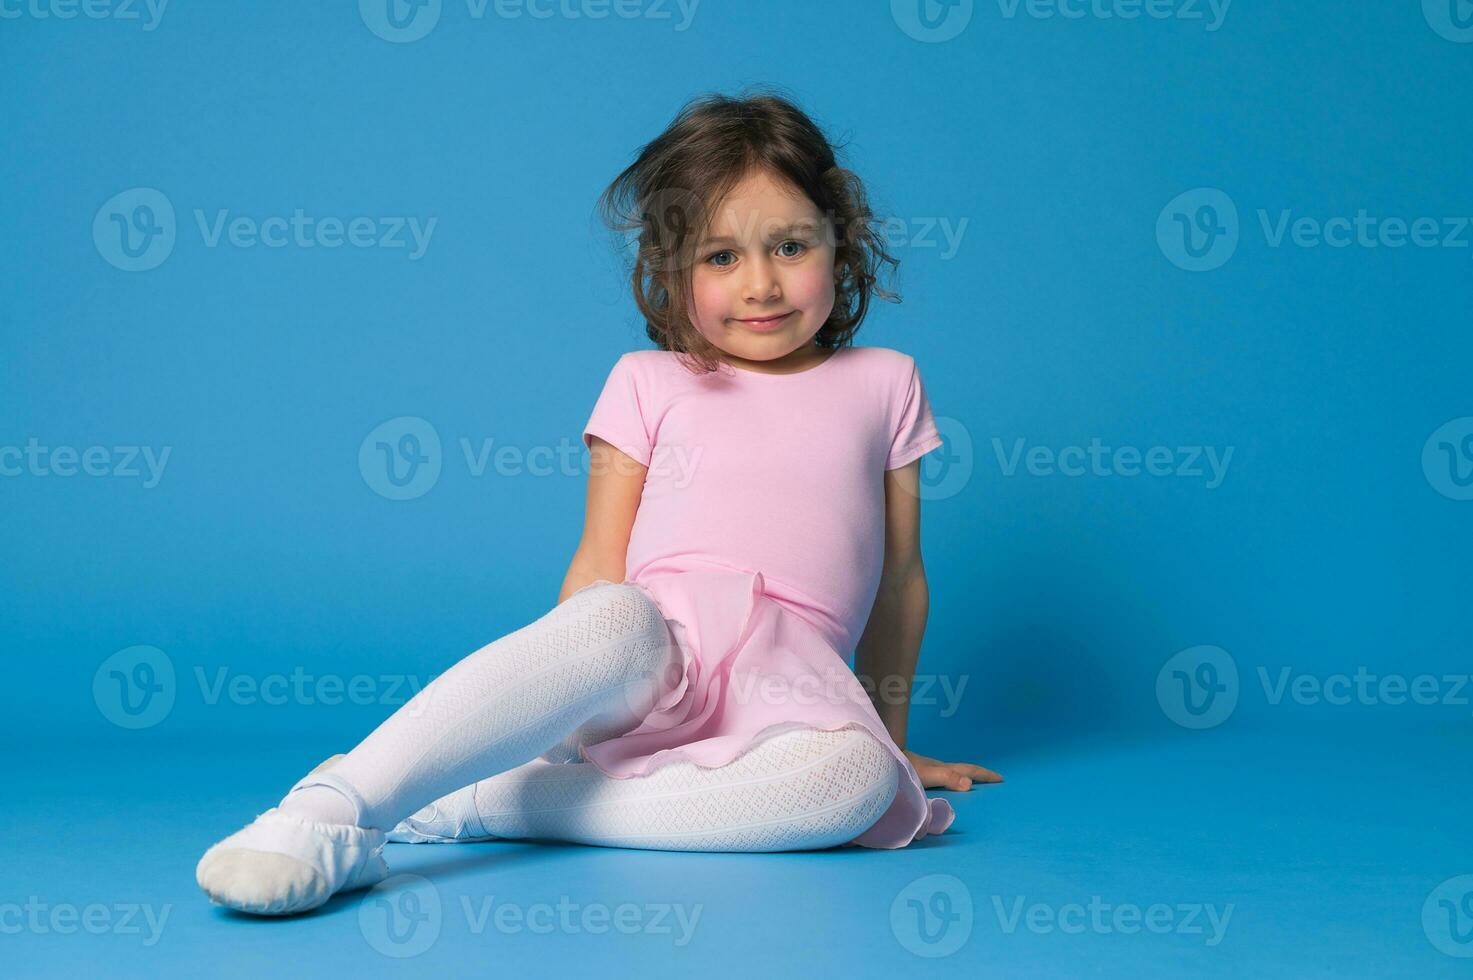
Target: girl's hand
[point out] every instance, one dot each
(949, 775)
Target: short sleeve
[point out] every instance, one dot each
(618, 416)
(915, 432)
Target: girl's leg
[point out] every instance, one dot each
(602, 655)
(800, 789)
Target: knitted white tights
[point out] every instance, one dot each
(799, 789)
(591, 668)
(597, 662)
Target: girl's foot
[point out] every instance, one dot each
(452, 819)
(282, 864)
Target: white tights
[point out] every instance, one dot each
(519, 707)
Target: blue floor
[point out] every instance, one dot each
(1203, 854)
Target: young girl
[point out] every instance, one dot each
(752, 517)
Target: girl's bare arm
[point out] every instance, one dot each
(615, 483)
(887, 651)
(891, 644)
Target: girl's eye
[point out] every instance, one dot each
(790, 255)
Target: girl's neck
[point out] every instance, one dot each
(808, 356)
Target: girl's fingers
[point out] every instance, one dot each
(977, 773)
(955, 775)
(935, 777)
(947, 777)
(962, 775)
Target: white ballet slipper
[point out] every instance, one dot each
(282, 864)
(452, 819)
(327, 762)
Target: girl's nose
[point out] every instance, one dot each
(761, 284)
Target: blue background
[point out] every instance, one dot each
(1060, 317)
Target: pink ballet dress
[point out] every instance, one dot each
(760, 536)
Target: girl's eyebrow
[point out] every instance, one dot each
(801, 227)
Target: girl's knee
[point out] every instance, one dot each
(622, 606)
(854, 762)
(873, 771)
(623, 616)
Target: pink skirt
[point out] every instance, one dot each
(751, 669)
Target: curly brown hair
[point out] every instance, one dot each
(669, 192)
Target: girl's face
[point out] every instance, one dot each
(763, 281)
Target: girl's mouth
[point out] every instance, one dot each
(768, 323)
